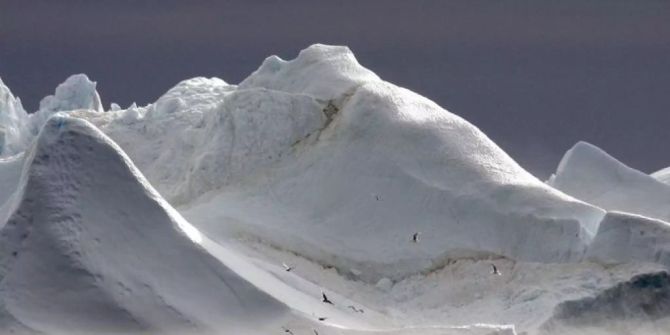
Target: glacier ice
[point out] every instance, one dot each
(13, 123)
(322, 71)
(624, 237)
(76, 92)
(316, 162)
(590, 174)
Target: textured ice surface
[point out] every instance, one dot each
(318, 163)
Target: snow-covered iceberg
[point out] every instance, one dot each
(590, 174)
(306, 151)
(311, 176)
(389, 163)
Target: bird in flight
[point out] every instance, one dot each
(494, 270)
(415, 237)
(353, 308)
(325, 299)
(286, 267)
(286, 330)
(323, 318)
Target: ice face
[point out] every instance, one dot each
(13, 123)
(76, 92)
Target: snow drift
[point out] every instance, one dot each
(590, 174)
(91, 247)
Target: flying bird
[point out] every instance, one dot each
(494, 270)
(353, 308)
(286, 267)
(286, 330)
(415, 237)
(323, 318)
(325, 299)
(315, 332)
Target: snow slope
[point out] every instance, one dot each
(391, 163)
(590, 174)
(91, 247)
(249, 159)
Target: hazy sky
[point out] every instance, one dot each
(536, 76)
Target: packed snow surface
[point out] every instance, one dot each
(312, 177)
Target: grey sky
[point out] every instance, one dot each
(536, 76)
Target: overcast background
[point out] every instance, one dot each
(535, 76)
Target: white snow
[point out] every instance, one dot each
(322, 71)
(76, 92)
(626, 238)
(318, 163)
(322, 124)
(17, 128)
(92, 247)
(590, 174)
(662, 175)
(10, 173)
(13, 119)
(392, 163)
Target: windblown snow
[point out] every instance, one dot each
(311, 177)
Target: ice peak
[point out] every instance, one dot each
(592, 175)
(76, 92)
(60, 124)
(318, 52)
(193, 94)
(61, 128)
(587, 155)
(322, 71)
(13, 120)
